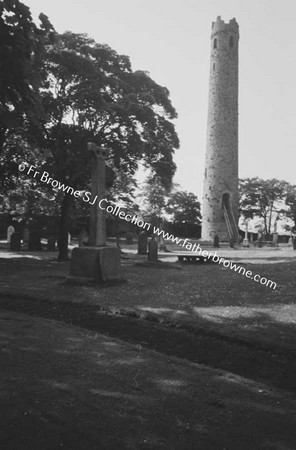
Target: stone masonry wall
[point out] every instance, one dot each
(221, 167)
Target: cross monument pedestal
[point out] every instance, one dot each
(96, 261)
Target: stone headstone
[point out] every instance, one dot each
(26, 234)
(34, 241)
(142, 243)
(10, 231)
(51, 244)
(129, 238)
(216, 241)
(153, 250)
(15, 242)
(260, 239)
(275, 238)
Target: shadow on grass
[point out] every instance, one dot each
(275, 365)
(231, 342)
(77, 389)
(272, 327)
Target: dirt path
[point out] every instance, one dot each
(65, 387)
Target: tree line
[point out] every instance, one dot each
(269, 200)
(60, 91)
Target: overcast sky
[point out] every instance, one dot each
(171, 40)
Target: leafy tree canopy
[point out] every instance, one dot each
(291, 202)
(80, 91)
(22, 46)
(184, 207)
(154, 196)
(262, 198)
(92, 91)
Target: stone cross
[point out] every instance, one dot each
(97, 231)
(96, 261)
(246, 240)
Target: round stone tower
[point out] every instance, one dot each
(220, 196)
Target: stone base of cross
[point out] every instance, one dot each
(97, 261)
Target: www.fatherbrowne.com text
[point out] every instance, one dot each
(113, 208)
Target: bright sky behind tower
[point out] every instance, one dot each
(171, 40)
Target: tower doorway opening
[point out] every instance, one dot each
(226, 201)
(229, 218)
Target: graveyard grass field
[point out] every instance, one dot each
(174, 356)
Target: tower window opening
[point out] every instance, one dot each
(231, 41)
(215, 43)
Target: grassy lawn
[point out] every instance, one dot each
(177, 356)
(64, 387)
(207, 296)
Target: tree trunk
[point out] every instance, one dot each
(270, 217)
(265, 224)
(64, 227)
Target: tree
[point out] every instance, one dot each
(262, 198)
(154, 197)
(23, 197)
(184, 207)
(291, 203)
(92, 94)
(123, 187)
(22, 46)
